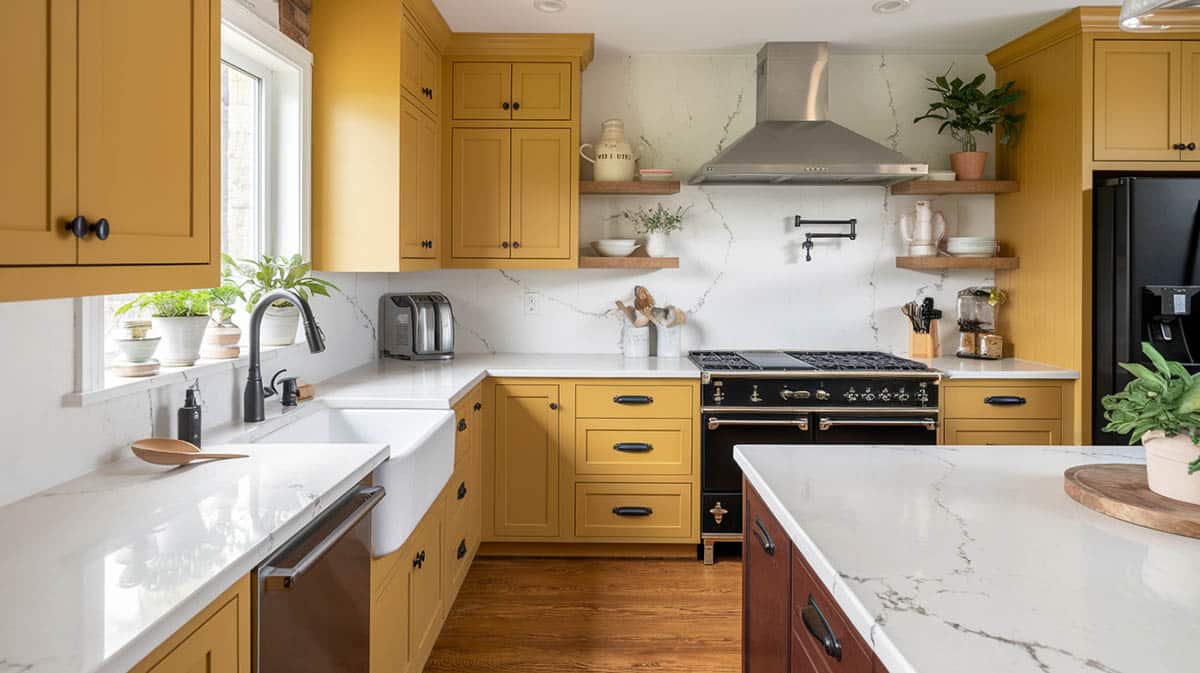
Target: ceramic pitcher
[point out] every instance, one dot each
(615, 158)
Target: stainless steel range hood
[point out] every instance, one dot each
(793, 142)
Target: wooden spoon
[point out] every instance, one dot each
(166, 451)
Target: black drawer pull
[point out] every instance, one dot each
(462, 425)
(818, 626)
(462, 549)
(633, 399)
(1004, 400)
(633, 447)
(764, 538)
(632, 511)
(462, 490)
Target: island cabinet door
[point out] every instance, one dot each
(822, 637)
(766, 597)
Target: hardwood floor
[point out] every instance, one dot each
(522, 615)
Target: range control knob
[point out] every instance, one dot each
(823, 395)
(754, 396)
(923, 393)
(718, 392)
(885, 396)
(902, 395)
(868, 396)
(850, 395)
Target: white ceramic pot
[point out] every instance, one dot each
(1167, 461)
(279, 325)
(616, 160)
(656, 244)
(669, 341)
(635, 341)
(181, 339)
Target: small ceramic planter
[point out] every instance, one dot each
(968, 165)
(181, 339)
(1167, 461)
(279, 325)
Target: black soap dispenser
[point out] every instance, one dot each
(189, 416)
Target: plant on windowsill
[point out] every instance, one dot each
(258, 277)
(1161, 407)
(656, 225)
(966, 109)
(223, 335)
(180, 318)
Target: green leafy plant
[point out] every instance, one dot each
(273, 273)
(1165, 398)
(170, 304)
(656, 221)
(966, 109)
(223, 300)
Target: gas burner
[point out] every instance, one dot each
(720, 361)
(802, 361)
(857, 361)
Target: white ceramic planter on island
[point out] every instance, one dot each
(1167, 460)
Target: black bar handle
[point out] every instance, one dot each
(462, 549)
(633, 399)
(1004, 400)
(818, 626)
(632, 511)
(633, 447)
(764, 538)
(462, 490)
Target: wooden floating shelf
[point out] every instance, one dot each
(942, 262)
(596, 262)
(633, 187)
(947, 187)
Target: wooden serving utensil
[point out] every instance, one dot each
(166, 451)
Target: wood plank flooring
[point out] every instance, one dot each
(523, 615)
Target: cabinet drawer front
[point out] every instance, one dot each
(634, 400)
(633, 446)
(813, 605)
(987, 432)
(661, 511)
(1004, 402)
(464, 487)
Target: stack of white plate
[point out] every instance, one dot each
(971, 246)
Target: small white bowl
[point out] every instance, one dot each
(941, 176)
(136, 351)
(656, 174)
(615, 247)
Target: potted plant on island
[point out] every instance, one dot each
(1161, 408)
(966, 109)
(180, 318)
(656, 225)
(281, 319)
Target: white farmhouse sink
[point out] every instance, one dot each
(422, 459)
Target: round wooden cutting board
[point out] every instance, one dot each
(1120, 491)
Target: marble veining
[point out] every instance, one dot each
(951, 559)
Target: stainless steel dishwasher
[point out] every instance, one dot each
(314, 594)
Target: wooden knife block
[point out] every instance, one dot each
(924, 346)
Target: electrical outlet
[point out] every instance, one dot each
(533, 304)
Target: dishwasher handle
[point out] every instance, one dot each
(283, 579)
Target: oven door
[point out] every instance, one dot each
(842, 428)
(723, 431)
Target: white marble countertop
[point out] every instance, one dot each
(96, 572)
(1009, 368)
(952, 559)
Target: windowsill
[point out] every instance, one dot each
(118, 386)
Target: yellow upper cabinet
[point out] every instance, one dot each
(111, 117)
(529, 91)
(480, 193)
(1147, 105)
(420, 66)
(541, 194)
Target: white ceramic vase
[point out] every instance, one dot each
(1167, 461)
(635, 341)
(279, 325)
(656, 244)
(669, 341)
(181, 339)
(616, 159)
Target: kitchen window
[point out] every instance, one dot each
(265, 105)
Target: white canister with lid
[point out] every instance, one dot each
(635, 341)
(616, 159)
(669, 341)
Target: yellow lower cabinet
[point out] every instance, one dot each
(1000, 412)
(215, 641)
(1028, 432)
(425, 613)
(648, 446)
(389, 620)
(634, 512)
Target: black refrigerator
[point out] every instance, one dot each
(1146, 278)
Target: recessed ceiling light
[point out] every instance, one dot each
(550, 6)
(890, 6)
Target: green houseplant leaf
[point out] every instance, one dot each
(966, 109)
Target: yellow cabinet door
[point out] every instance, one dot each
(541, 193)
(212, 648)
(482, 91)
(1189, 98)
(147, 128)
(431, 72)
(1004, 432)
(1137, 107)
(541, 91)
(412, 240)
(419, 65)
(480, 193)
(389, 625)
(525, 486)
(425, 583)
(429, 185)
(37, 132)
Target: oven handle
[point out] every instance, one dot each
(798, 423)
(828, 423)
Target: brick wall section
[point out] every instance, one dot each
(293, 19)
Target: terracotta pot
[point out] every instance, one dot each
(968, 165)
(1167, 461)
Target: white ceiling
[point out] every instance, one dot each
(637, 26)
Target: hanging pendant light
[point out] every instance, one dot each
(1142, 16)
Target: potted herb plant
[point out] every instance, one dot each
(656, 225)
(180, 318)
(1161, 407)
(223, 335)
(966, 109)
(281, 319)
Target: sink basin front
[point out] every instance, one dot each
(421, 445)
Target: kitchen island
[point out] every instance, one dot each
(951, 559)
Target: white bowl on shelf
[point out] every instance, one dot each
(941, 176)
(615, 247)
(656, 174)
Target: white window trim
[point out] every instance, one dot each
(240, 27)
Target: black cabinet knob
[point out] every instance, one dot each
(78, 226)
(462, 425)
(462, 549)
(554, 406)
(1191, 147)
(1178, 146)
(478, 406)
(462, 490)
(504, 244)
(516, 106)
(505, 106)
(100, 228)
(516, 244)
